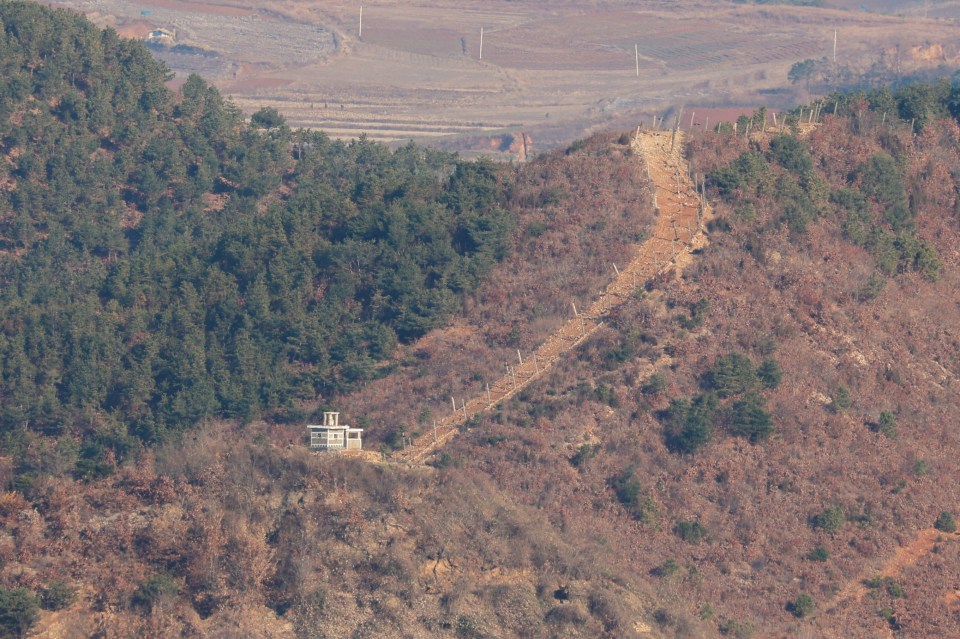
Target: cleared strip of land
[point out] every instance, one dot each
(678, 230)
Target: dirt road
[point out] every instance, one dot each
(678, 230)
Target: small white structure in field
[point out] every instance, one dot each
(331, 435)
(161, 35)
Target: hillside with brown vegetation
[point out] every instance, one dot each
(239, 530)
(837, 500)
(168, 265)
(677, 231)
(230, 535)
(570, 511)
(759, 444)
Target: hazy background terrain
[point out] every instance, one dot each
(555, 71)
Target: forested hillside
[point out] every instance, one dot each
(171, 271)
(757, 444)
(163, 261)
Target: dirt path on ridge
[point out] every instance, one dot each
(677, 231)
(902, 558)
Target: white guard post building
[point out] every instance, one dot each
(332, 436)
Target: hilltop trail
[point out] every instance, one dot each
(904, 557)
(677, 231)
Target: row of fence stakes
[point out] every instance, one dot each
(699, 186)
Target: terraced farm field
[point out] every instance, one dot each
(555, 70)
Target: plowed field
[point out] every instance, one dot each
(556, 70)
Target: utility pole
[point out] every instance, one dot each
(481, 43)
(636, 51)
(578, 316)
(360, 30)
(834, 47)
